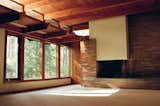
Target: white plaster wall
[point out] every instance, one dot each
(111, 37)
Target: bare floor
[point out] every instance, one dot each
(76, 95)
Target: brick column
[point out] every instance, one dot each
(88, 61)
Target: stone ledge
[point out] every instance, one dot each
(125, 83)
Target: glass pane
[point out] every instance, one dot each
(32, 59)
(64, 61)
(50, 61)
(12, 57)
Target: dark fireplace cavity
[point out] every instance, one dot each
(109, 69)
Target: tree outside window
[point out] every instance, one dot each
(50, 60)
(32, 59)
(64, 62)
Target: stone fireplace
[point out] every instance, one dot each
(118, 76)
(104, 61)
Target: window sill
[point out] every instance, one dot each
(18, 81)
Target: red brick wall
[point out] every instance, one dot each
(144, 44)
(83, 60)
(88, 58)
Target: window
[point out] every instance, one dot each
(50, 60)
(32, 59)
(41, 60)
(12, 57)
(64, 62)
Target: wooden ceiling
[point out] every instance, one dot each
(32, 24)
(47, 19)
(70, 12)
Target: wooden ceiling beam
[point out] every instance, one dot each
(36, 35)
(50, 7)
(9, 17)
(55, 34)
(53, 40)
(10, 27)
(27, 2)
(71, 12)
(65, 39)
(104, 9)
(34, 27)
(85, 8)
(126, 9)
(56, 37)
(69, 39)
(80, 26)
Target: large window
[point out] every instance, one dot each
(32, 59)
(50, 60)
(12, 57)
(64, 62)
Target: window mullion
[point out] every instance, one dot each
(21, 59)
(43, 60)
(58, 61)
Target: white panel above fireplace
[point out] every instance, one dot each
(111, 37)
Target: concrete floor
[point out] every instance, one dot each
(76, 95)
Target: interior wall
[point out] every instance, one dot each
(20, 86)
(88, 55)
(111, 37)
(76, 67)
(144, 39)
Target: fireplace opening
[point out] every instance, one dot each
(109, 69)
(120, 69)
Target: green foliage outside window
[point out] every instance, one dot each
(50, 60)
(32, 59)
(64, 62)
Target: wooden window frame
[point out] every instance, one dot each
(21, 42)
(19, 56)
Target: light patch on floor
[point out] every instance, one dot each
(77, 90)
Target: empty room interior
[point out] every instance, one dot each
(79, 52)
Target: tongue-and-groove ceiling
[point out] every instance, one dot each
(77, 11)
(46, 18)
